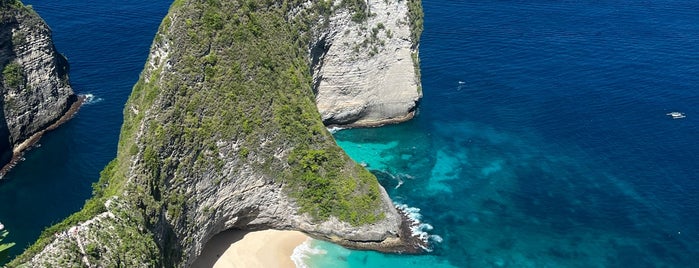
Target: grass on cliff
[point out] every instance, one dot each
(239, 71)
(13, 76)
(417, 19)
(10, 4)
(4, 246)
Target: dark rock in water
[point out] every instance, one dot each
(415, 244)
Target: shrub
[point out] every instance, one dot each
(4, 246)
(13, 75)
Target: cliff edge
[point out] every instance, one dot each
(34, 85)
(366, 69)
(222, 132)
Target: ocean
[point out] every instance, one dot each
(542, 140)
(107, 44)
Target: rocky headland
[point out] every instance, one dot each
(222, 132)
(35, 90)
(366, 70)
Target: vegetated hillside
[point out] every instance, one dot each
(238, 73)
(221, 131)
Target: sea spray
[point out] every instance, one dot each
(335, 129)
(303, 252)
(91, 99)
(418, 228)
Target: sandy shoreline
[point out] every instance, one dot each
(268, 248)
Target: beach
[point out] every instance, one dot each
(234, 248)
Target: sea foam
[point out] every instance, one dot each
(303, 252)
(335, 129)
(418, 228)
(91, 99)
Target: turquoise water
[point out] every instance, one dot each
(542, 139)
(316, 253)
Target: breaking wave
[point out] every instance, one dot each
(91, 99)
(303, 252)
(418, 228)
(335, 129)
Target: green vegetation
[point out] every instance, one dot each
(359, 9)
(4, 246)
(13, 75)
(10, 3)
(237, 91)
(322, 191)
(416, 64)
(417, 18)
(237, 72)
(92, 207)
(11, 9)
(18, 39)
(373, 41)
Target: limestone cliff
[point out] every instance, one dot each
(220, 132)
(366, 68)
(35, 90)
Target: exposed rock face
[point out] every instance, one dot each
(366, 71)
(35, 88)
(222, 132)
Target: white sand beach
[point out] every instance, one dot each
(268, 248)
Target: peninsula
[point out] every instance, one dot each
(223, 132)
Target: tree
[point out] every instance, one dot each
(4, 246)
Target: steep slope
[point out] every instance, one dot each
(220, 132)
(366, 64)
(34, 87)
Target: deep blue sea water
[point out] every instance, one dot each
(542, 139)
(106, 43)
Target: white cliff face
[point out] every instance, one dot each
(35, 88)
(44, 97)
(242, 200)
(237, 198)
(364, 74)
(181, 190)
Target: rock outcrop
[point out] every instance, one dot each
(366, 70)
(35, 89)
(222, 132)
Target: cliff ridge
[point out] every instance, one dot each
(222, 132)
(35, 86)
(366, 67)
